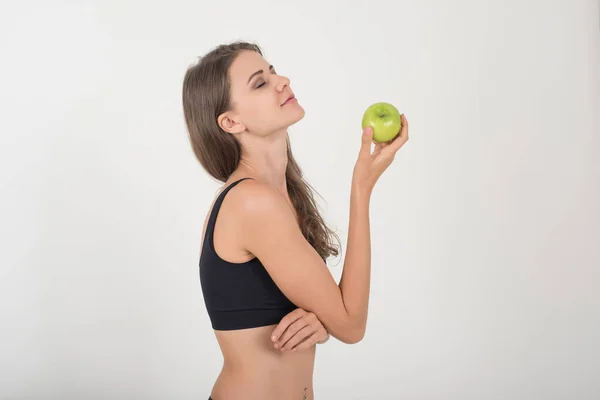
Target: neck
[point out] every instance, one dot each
(265, 159)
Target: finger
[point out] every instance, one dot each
(324, 337)
(302, 334)
(399, 140)
(307, 343)
(290, 332)
(367, 138)
(285, 322)
(378, 147)
(403, 130)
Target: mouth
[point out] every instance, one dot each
(290, 99)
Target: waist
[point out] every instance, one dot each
(253, 368)
(272, 361)
(289, 377)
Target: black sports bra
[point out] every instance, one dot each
(238, 295)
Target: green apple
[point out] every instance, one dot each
(385, 120)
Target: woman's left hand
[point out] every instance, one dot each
(299, 330)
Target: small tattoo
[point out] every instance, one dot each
(304, 398)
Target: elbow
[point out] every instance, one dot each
(353, 336)
(352, 340)
(349, 331)
(357, 337)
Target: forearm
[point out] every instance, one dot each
(356, 276)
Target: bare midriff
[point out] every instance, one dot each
(254, 369)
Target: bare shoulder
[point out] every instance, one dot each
(264, 217)
(256, 199)
(251, 192)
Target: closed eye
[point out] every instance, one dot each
(264, 83)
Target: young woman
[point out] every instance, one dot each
(264, 244)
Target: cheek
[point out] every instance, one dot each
(254, 108)
(260, 114)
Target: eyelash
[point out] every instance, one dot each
(264, 83)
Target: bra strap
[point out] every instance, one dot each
(216, 207)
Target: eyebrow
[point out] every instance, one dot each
(260, 71)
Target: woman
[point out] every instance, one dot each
(264, 244)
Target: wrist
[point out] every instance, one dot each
(361, 191)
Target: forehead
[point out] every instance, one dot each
(245, 64)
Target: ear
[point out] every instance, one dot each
(229, 123)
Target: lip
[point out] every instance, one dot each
(292, 97)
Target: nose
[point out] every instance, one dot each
(283, 82)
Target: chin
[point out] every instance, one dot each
(297, 116)
(290, 118)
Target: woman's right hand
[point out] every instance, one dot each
(370, 166)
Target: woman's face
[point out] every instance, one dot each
(257, 98)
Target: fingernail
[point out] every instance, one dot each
(276, 346)
(273, 338)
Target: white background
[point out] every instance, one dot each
(485, 230)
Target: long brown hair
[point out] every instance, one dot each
(206, 95)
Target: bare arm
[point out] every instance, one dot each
(355, 282)
(271, 233)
